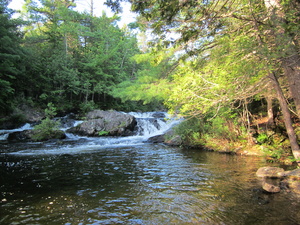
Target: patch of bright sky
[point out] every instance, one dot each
(85, 5)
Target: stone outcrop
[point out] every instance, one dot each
(275, 179)
(169, 138)
(174, 141)
(110, 123)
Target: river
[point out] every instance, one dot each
(127, 181)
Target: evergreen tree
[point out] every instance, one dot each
(11, 55)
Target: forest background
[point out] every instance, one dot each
(231, 68)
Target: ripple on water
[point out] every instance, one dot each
(141, 184)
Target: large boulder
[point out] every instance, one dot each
(106, 123)
(25, 135)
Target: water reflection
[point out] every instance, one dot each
(146, 184)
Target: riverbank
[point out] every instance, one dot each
(270, 153)
(231, 137)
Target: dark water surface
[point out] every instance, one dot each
(138, 184)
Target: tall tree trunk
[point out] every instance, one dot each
(287, 118)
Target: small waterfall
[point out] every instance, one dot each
(5, 133)
(4, 136)
(149, 124)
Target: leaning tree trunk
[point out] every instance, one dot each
(287, 119)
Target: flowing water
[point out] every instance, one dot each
(124, 180)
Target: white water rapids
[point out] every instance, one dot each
(147, 126)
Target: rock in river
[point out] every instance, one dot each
(111, 123)
(268, 171)
(275, 179)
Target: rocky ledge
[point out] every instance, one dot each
(97, 123)
(276, 179)
(112, 123)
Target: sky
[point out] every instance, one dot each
(84, 5)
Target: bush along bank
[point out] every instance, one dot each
(229, 135)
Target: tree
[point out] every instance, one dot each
(48, 128)
(284, 27)
(11, 55)
(105, 59)
(202, 27)
(150, 83)
(77, 58)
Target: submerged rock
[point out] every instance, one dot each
(271, 185)
(106, 123)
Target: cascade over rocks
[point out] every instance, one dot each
(101, 122)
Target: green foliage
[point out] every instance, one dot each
(50, 112)
(87, 106)
(151, 83)
(14, 121)
(228, 51)
(11, 61)
(71, 57)
(48, 128)
(191, 131)
(103, 133)
(273, 154)
(262, 138)
(213, 129)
